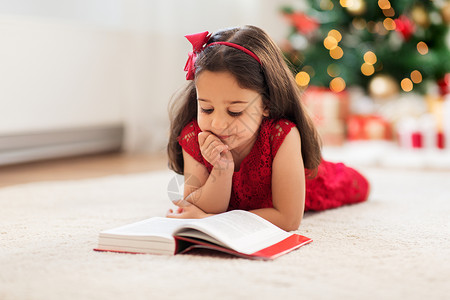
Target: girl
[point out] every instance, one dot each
(243, 140)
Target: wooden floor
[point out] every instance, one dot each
(81, 167)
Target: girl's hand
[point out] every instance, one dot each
(186, 211)
(215, 151)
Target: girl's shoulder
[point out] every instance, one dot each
(189, 131)
(189, 142)
(277, 128)
(276, 131)
(188, 137)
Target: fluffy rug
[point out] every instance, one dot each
(395, 246)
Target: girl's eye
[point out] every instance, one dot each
(235, 114)
(206, 111)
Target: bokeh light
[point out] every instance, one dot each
(302, 78)
(390, 12)
(389, 24)
(416, 76)
(370, 58)
(337, 84)
(336, 53)
(335, 34)
(384, 4)
(359, 23)
(357, 7)
(422, 48)
(333, 70)
(406, 84)
(330, 42)
(310, 70)
(367, 69)
(345, 3)
(380, 29)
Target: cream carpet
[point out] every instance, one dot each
(395, 246)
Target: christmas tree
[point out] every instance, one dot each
(383, 46)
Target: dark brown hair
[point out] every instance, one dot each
(272, 79)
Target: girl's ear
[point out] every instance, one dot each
(266, 112)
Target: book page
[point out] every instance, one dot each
(156, 228)
(240, 230)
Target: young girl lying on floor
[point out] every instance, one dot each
(243, 140)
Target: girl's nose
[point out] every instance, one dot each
(219, 124)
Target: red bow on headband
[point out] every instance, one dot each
(198, 41)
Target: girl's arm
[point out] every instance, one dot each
(288, 185)
(209, 192)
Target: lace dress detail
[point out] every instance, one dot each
(334, 185)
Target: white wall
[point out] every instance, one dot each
(92, 62)
(59, 75)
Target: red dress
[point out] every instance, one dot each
(334, 185)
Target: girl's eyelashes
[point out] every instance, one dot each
(207, 111)
(235, 114)
(231, 113)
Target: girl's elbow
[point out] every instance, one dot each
(292, 226)
(216, 209)
(293, 223)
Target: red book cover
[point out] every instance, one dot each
(295, 241)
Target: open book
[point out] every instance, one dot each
(237, 232)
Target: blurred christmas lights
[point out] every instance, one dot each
(422, 48)
(389, 29)
(406, 85)
(416, 76)
(337, 84)
(302, 79)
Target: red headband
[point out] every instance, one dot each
(198, 41)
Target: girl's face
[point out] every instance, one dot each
(231, 113)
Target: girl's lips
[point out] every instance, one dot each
(223, 137)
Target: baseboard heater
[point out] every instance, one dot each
(27, 147)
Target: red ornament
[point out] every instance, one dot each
(404, 26)
(304, 23)
(444, 84)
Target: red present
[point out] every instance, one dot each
(440, 140)
(368, 127)
(416, 138)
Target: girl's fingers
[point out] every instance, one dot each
(216, 153)
(172, 215)
(202, 137)
(216, 149)
(210, 141)
(211, 147)
(206, 137)
(181, 203)
(179, 214)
